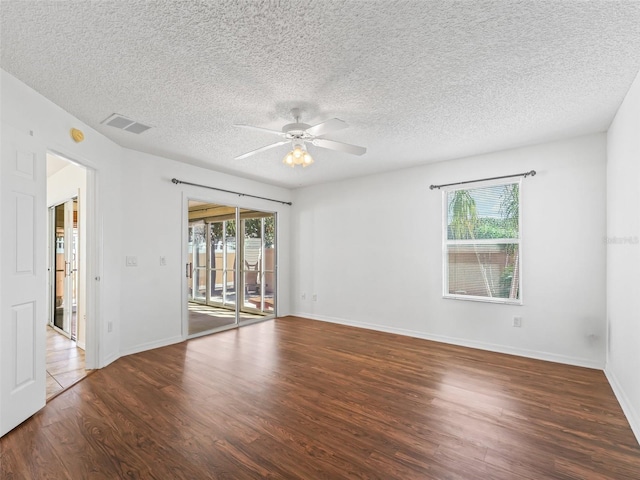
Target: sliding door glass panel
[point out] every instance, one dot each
(64, 232)
(229, 255)
(268, 279)
(252, 260)
(60, 267)
(229, 296)
(71, 238)
(211, 306)
(69, 251)
(189, 266)
(199, 263)
(216, 263)
(249, 267)
(258, 265)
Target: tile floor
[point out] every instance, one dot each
(65, 362)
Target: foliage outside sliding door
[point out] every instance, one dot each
(482, 243)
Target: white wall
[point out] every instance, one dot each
(25, 109)
(154, 225)
(623, 255)
(370, 248)
(70, 182)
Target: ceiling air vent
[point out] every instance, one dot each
(123, 123)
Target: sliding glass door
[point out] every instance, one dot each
(63, 220)
(217, 263)
(231, 269)
(258, 263)
(199, 263)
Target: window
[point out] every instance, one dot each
(482, 243)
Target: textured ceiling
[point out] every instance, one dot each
(417, 81)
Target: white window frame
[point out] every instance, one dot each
(494, 241)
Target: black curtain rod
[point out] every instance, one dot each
(525, 175)
(177, 182)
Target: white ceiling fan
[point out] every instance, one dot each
(298, 134)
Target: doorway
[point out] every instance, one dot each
(67, 294)
(231, 267)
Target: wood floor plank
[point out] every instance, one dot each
(34, 459)
(298, 399)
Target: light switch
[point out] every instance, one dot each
(163, 261)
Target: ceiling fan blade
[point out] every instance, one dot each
(261, 149)
(326, 127)
(339, 146)
(260, 129)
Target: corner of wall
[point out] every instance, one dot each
(623, 254)
(633, 415)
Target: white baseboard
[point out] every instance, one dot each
(151, 345)
(549, 357)
(633, 415)
(110, 359)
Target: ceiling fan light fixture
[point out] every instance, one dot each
(288, 160)
(306, 160)
(298, 156)
(299, 134)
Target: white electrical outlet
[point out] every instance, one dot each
(131, 261)
(109, 326)
(517, 321)
(163, 261)
(315, 297)
(303, 296)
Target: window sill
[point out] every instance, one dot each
(470, 298)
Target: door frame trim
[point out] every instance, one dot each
(93, 256)
(186, 197)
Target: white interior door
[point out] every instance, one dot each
(23, 277)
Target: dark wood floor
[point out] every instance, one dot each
(299, 399)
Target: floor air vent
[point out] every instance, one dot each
(123, 123)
